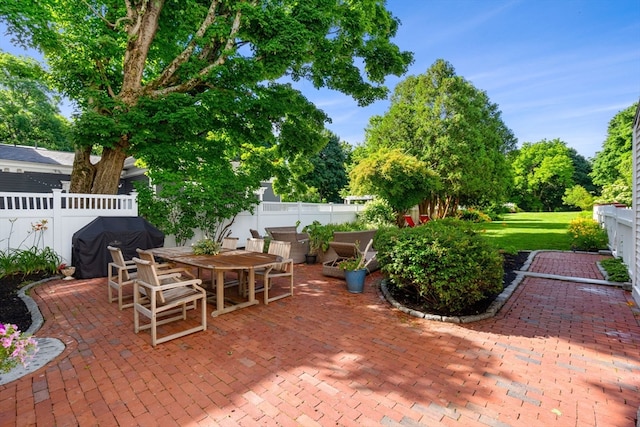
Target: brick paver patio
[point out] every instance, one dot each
(558, 353)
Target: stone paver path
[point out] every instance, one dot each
(558, 353)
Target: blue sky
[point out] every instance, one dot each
(556, 68)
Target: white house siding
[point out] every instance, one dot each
(636, 205)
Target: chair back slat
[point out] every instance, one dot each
(282, 249)
(254, 245)
(146, 255)
(148, 274)
(118, 259)
(229, 242)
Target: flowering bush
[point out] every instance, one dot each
(587, 235)
(15, 348)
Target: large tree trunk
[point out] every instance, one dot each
(101, 178)
(83, 172)
(104, 176)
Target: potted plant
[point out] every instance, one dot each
(206, 246)
(319, 236)
(355, 269)
(67, 271)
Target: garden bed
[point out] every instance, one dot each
(512, 264)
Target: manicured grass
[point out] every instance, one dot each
(529, 231)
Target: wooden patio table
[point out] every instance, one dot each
(226, 260)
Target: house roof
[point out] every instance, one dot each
(20, 153)
(20, 158)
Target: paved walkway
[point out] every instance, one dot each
(559, 353)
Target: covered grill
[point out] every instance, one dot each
(89, 251)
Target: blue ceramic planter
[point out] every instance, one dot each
(355, 280)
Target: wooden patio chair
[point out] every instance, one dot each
(280, 269)
(253, 245)
(166, 267)
(164, 298)
(121, 273)
(229, 242)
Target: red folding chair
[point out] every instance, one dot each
(424, 218)
(409, 221)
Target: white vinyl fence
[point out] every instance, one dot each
(50, 220)
(618, 221)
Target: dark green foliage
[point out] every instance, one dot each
(444, 263)
(329, 175)
(581, 170)
(612, 166)
(29, 113)
(616, 270)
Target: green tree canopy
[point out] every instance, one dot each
(581, 171)
(578, 196)
(164, 75)
(542, 172)
(29, 113)
(327, 176)
(400, 179)
(612, 166)
(444, 121)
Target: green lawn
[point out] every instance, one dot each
(528, 231)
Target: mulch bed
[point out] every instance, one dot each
(12, 308)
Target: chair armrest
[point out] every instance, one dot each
(168, 276)
(179, 270)
(126, 267)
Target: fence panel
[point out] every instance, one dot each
(28, 219)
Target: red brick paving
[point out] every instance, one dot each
(558, 353)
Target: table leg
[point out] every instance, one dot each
(252, 284)
(219, 283)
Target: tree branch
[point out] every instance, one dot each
(192, 83)
(141, 35)
(170, 70)
(96, 13)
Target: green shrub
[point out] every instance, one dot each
(448, 266)
(587, 235)
(473, 215)
(377, 212)
(616, 269)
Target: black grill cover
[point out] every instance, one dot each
(89, 251)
